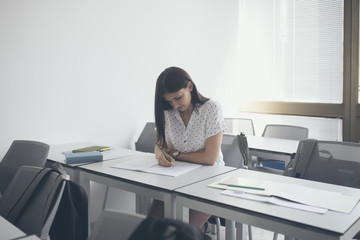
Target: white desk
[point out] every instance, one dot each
(291, 222)
(8, 230)
(160, 187)
(56, 156)
(272, 148)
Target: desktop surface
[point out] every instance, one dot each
(154, 180)
(331, 221)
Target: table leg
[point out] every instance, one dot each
(229, 229)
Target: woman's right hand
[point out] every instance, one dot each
(160, 156)
(164, 162)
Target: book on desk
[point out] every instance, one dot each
(86, 155)
(91, 149)
(83, 157)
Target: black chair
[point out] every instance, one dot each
(32, 198)
(164, 228)
(147, 139)
(20, 153)
(115, 224)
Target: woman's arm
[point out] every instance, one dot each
(210, 154)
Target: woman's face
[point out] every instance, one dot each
(180, 100)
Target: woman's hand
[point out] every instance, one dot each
(164, 162)
(160, 154)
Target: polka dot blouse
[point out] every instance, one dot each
(204, 123)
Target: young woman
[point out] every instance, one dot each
(189, 128)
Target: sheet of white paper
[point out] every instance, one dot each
(305, 195)
(314, 197)
(138, 163)
(178, 169)
(276, 201)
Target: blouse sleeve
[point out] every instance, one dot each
(215, 120)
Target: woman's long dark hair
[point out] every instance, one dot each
(172, 80)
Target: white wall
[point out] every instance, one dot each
(85, 70)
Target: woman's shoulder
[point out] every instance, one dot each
(209, 104)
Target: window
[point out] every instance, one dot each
(290, 51)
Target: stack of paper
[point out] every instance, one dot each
(289, 195)
(150, 164)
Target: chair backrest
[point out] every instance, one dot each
(32, 198)
(20, 153)
(285, 132)
(115, 224)
(231, 151)
(164, 229)
(147, 139)
(328, 161)
(238, 125)
(244, 148)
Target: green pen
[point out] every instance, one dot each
(163, 152)
(239, 186)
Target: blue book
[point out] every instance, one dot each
(83, 157)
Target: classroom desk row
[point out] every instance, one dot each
(191, 191)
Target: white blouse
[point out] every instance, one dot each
(207, 121)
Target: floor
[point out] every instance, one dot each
(257, 234)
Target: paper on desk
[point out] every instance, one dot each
(315, 197)
(150, 164)
(275, 200)
(178, 169)
(138, 163)
(305, 195)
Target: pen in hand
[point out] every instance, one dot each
(163, 153)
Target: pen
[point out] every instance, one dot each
(163, 152)
(238, 186)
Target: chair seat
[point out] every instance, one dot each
(280, 165)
